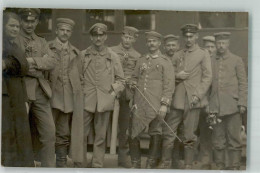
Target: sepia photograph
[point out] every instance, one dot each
(133, 89)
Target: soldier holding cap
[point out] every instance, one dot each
(103, 81)
(40, 59)
(67, 96)
(128, 57)
(194, 75)
(205, 155)
(154, 77)
(228, 100)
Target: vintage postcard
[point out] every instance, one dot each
(142, 89)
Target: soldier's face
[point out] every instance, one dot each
(98, 39)
(153, 44)
(64, 33)
(190, 39)
(12, 28)
(127, 41)
(28, 26)
(222, 46)
(171, 47)
(211, 47)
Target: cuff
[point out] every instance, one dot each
(117, 87)
(165, 101)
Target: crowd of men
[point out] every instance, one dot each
(68, 89)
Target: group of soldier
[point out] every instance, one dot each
(69, 89)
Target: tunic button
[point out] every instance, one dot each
(144, 88)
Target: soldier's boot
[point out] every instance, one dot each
(166, 162)
(219, 159)
(135, 153)
(61, 157)
(154, 151)
(234, 159)
(188, 157)
(124, 159)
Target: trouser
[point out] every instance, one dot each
(226, 135)
(63, 131)
(190, 118)
(40, 110)
(101, 122)
(205, 153)
(123, 119)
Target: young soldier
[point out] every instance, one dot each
(228, 100)
(171, 45)
(103, 81)
(193, 76)
(128, 57)
(153, 94)
(40, 60)
(205, 155)
(67, 96)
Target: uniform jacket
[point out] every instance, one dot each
(197, 62)
(37, 48)
(229, 86)
(15, 121)
(102, 74)
(74, 72)
(154, 77)
(128, 59)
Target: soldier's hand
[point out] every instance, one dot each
(194, 100)
(182, 75)
(242, 109)
(31, 63)
(162, 112)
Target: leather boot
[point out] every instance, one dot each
(135, 152)
(234, 159)
(166, 162)
(219, 158)
(61, 157)
(124, 159)
(188, 157)
(154, 154)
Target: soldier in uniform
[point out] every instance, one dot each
(67, 96)
(193, 76)
(205, 154)
(128, 57)
(228, 100)
(40, 60)
(103, 79)
(154, 77)
(171, 45)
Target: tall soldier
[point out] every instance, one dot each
(205, 155)
(128, 56)
(40, 60)
(103, 81)
(153, 94)
(228, 100)
(194, 76)
(67, 97)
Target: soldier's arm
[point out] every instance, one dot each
(206, 80)
(242, 83)
(119, 84)
(168, 83)
(48, 61)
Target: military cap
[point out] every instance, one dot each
(132, 31)
(209, 38)
(189, 28)
(29, 13)
(65, 21)
(98, 28)
(153, 34)
(170, 37)
(222, 35)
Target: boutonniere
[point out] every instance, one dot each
(143, 67)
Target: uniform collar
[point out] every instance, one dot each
(154, 56)
(195, 47)
(124, 49)
(95, 52)
(224, 56)
(31, 37)
(61, 45)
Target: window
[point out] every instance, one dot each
(217, 20)
(45, 22)
(140, 19)
(100, 16)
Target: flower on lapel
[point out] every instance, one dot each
(143, 67)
